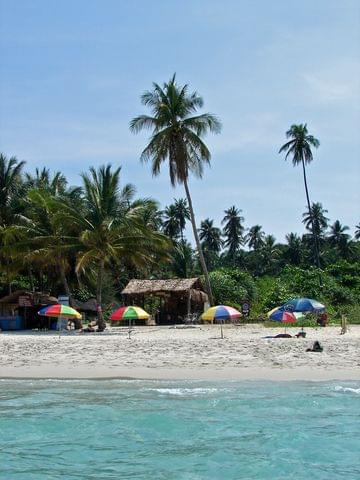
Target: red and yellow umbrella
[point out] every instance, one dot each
(59, 310)
(129, 313)
(220, 312)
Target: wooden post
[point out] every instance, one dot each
(189, 302)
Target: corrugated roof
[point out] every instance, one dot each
(155, 286)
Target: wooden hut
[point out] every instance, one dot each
(178, 297)
(19, 310)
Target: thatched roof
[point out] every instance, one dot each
(88, 306)
(38, 298)
(146, 287)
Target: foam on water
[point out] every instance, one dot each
(170, 430)
(339, 388)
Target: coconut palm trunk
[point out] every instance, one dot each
(100, 317)
(64, 281)
(316, 245)
(198, 245)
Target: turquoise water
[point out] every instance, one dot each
(118, 429)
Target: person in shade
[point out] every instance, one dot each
(315, 348)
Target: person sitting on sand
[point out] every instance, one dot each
(316, 347)
(88, 329)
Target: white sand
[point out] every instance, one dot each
(182, 353)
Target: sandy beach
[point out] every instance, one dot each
(182, 353)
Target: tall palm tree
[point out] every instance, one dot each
(233, 230)
(177, 138)
(10, 183)
(112, 230)
(255, 237)
(182, 213)
(299, 147)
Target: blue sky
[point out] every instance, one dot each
(72, 72)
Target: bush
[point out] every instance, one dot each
(226, 290)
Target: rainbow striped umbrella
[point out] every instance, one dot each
(59, 310)
(284, 316)
(220, 312)
(129, 313)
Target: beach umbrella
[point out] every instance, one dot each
(220, 313)
(303, 305)
(59, 310)
(129, 313)
(283, 316)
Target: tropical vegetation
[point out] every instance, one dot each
(89, 240)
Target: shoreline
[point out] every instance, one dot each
(227, 374)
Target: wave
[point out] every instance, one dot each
(340, 388)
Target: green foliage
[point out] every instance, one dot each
(243, 279)
(83, 294)
(346, 274)
(226, 290)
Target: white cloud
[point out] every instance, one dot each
(337, 83)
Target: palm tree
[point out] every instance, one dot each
(171, 226)
(233, 230)
(339, 239)
(299, 147)
(55, 184)
(112, 230)
(357, 231)
(294, 248)
(10, 183)
(176, 138)
(10, 206)
(41, 237)
(269, 252)
(315, 220)
(183, 259)
(211, 241)
(182, 213)
(255, 237)
(210, 236)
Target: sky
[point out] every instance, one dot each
(72, 72)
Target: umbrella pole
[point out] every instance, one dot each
(129, 328)
(221, 329)
(59, 322)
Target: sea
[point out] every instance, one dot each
(179, 430)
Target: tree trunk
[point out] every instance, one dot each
(198, 245)
(64, 281)
(31, 278)
(316, 245)
(100, 317)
